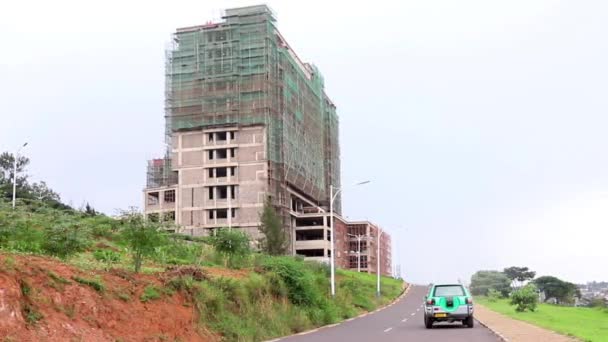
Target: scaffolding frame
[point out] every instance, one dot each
(241, 71)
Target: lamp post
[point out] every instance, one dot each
(15, 173)
(359, 238)
(332, 197)
(378, 262)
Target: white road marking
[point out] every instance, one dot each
(413, 313)
(389, 329)
(404, 320)
(418, 309)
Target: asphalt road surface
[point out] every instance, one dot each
(402, 321)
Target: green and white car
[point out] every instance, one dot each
(448, 303)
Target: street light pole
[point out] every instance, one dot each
(358, 254)
(16, 157)
(331, 248)
(378, 262)
(332, 263)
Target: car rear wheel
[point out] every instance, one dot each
(469, 322)
(428, 322)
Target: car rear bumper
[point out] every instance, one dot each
(438, 314)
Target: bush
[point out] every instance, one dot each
(106, 255)
(297, 278)
(65, 239)
(179, 252)
(142, 236)
(493, 295)
(525, 298)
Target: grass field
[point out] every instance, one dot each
(587, 324)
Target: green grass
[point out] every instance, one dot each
(96, 284)
(588, 324)
(287, 295)
(150, 293)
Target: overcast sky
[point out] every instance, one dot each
(482, 125)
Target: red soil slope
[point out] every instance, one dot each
(30, 286)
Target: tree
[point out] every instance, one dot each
(274, 241)
(525, 298)
(142, 236)
(42, 192)
(483, 281)
(89, 211)
(39, 192)
(231, 243)
(554, 287)
(7, 161)
(519, 275)
(65, 238)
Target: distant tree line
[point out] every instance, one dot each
(28, 192)
(520, 284)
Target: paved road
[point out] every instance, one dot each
(402, 321)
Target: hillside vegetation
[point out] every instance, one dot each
(68, 275)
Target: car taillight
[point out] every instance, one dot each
(430, 301)
(469, 300)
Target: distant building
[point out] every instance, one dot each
(313, 241)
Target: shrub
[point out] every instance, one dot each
(493, 295)
(18, 234)
(142, 236)
(65, 239)
(297, 278)
(525, 298)
(178, 252)
(107, 256)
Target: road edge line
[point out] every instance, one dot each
(403, 294)
(492, 330)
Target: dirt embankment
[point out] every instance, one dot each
(45, 300)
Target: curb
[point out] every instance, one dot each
(403, 294)
(501, 336)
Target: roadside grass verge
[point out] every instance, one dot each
(588, 324)
(285, 295)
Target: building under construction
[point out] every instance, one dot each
(246, 122)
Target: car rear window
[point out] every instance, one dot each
(449, 290)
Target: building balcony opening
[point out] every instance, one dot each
(308, 235)
(169, 217)
(223, 191)
(309, 221)
(221, 153)
(221, 172)
(221, 136)
(153, 198)
(221, 213)
(310, 252)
